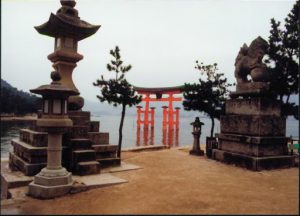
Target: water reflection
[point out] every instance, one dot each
(170, 137)
(148, 137)
(10, 130)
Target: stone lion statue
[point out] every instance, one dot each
(249, 62)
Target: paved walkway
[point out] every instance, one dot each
(173, 182)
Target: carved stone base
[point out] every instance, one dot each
(254, 163)
(253, 125)
(253, 106)
(47, 187)
(252, 89)
(198, 153)
(253, 146)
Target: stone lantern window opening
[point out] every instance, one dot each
(56, 106)
(65, 106)
(57, 109)
(65, 43)
(46, 106)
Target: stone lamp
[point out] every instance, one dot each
(53, 180)
(197, 124)
(67, 28)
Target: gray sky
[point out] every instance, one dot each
(161, 39)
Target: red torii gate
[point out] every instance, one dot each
(168, 111)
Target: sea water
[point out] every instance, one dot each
(133, 137)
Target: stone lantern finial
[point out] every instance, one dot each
(55, 76)
(70, 3)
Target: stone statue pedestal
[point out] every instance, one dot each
(253, 130)
(196, 145)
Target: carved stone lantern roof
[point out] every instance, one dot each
(55, 89)
(67, 23)
(54, 117)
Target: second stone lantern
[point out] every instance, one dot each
(197, 124)
(67, 28)
(53, 180)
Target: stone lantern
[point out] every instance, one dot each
(67, 28)
(197, 124)
(53, 180)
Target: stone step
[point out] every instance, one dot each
(79, 113)
(83, 155)
(35, 138)
(29, 153)
(105, 148)
(29, 169)
(252, 162)
(103, 155)
(79, 131)
(87, 168)
(107, 162)
(80, 143)
(80, 120)
(99, 138)
(94, 126)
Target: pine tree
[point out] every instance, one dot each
(283, 59)
(208, 95)
(118, 91)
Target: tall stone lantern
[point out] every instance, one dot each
(53, 180)
(67, 28)
(197, 124)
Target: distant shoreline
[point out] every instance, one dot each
(13, 118)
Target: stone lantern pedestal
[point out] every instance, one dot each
(196, 145)
(53, 180)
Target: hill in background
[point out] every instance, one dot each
(17, 101)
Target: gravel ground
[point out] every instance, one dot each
(173, 182)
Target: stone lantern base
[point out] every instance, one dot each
(51, 184)
(196, 145)
(198, 153)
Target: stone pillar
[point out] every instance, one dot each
(53, 180)
(196, 150)
(152, 116)
(54, 152)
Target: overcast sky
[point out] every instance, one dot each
(161, 39)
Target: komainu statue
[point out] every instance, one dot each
(249, 62)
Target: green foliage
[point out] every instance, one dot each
(283, 57)
(118, 91)
(208, 95)
(17, 102)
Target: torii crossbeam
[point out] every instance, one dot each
(168, 112)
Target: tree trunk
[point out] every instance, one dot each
(212, 127)
(120, 131)
(287, 99)
(281, 98)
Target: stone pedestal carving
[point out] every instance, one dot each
(253, 131)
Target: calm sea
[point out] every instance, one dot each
(133, 137)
